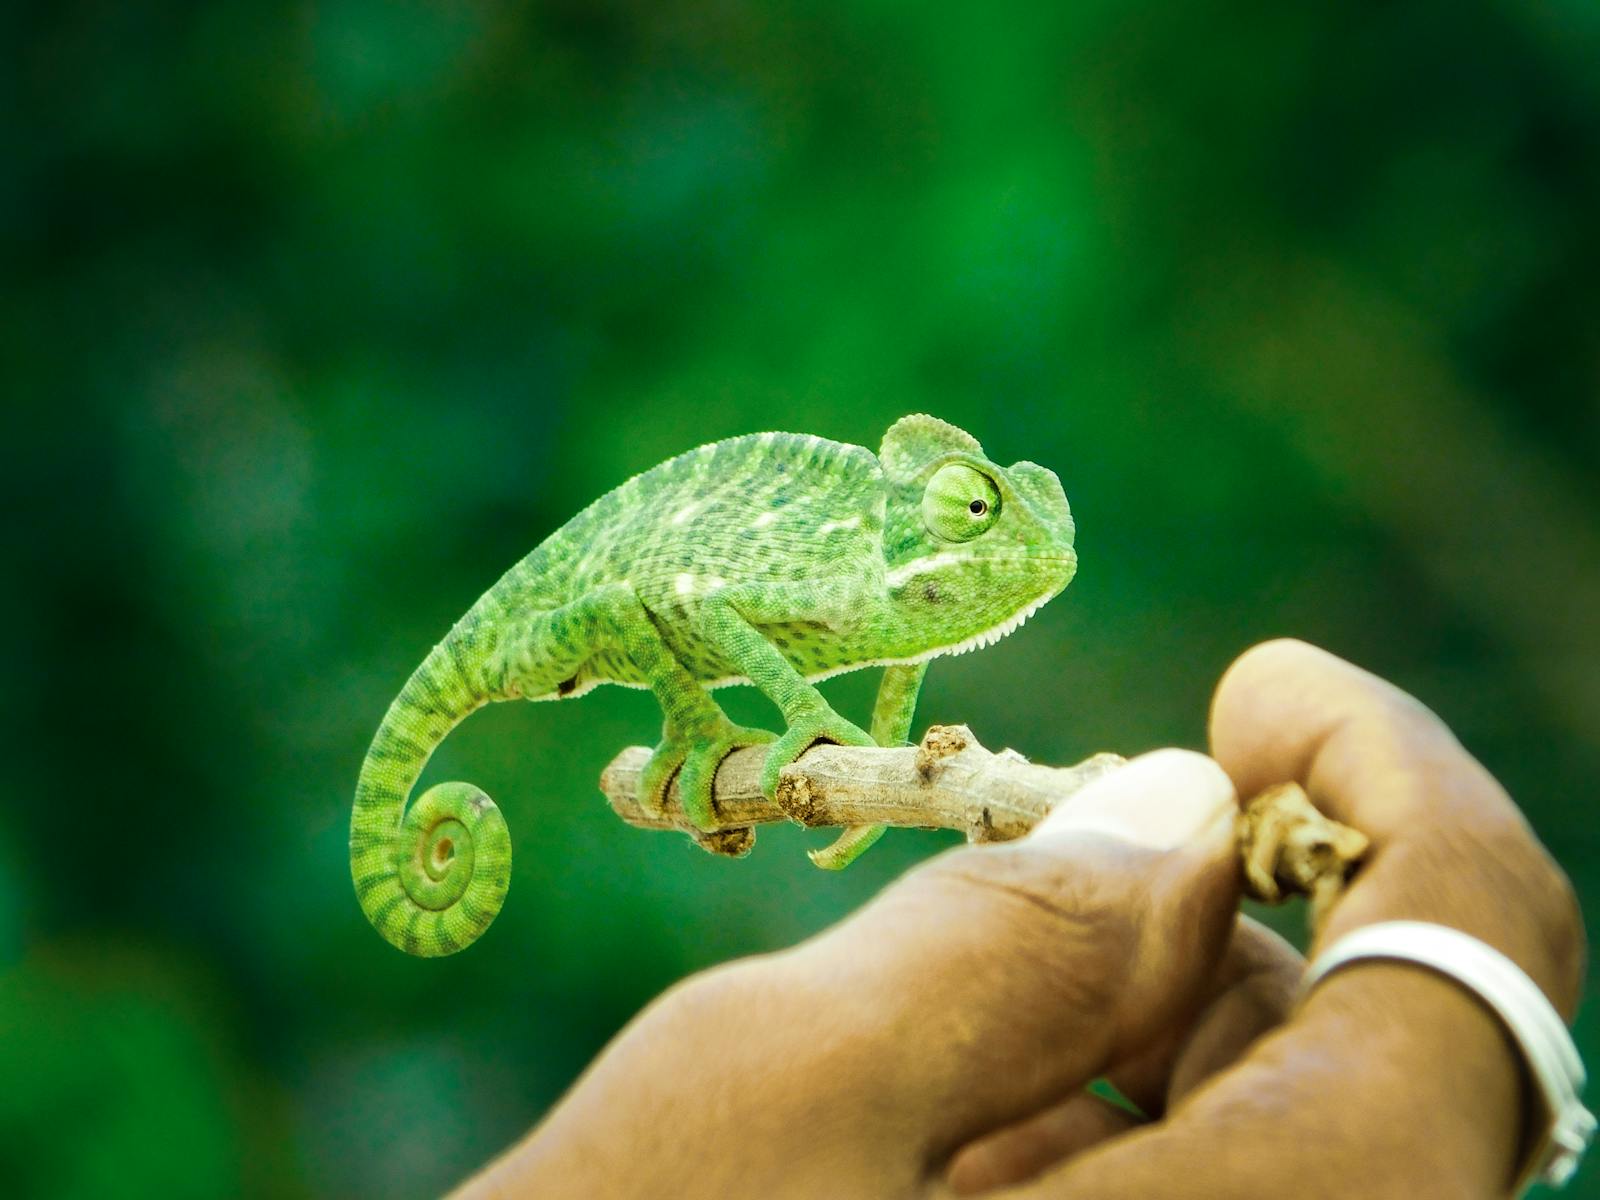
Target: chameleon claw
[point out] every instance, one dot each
(853, 841)
(699, 770)
(823, 726)
(693, 759)
(657, 775)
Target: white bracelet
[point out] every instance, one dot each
(1535, 1026)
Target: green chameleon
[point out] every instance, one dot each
(776, 559)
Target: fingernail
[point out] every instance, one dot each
(1161, 800)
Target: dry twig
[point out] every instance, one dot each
(951, 781)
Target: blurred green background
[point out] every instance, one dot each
(314, 318)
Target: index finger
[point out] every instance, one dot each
(1448, 843)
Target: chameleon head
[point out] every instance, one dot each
(971, 548)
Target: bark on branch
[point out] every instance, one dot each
(950, 781)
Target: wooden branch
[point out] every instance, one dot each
(951, 781)
(948, 782)
(1290, 848)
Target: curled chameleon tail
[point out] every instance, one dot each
(432, 877)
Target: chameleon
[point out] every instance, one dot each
(773, 559)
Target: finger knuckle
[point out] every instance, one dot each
(1499, 874)
(1053, 914)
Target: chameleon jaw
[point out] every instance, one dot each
(988, 637)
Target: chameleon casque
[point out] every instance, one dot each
(775, 559)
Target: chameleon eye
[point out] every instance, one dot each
(960, 503)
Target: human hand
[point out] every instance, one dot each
(1390, 1080)
(939, 1039)
(978, 991)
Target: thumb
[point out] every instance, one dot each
(1170, 817)
(997, 979)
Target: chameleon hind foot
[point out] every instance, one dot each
(694, 758)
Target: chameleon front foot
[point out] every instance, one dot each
(822, 725)
(694, 759)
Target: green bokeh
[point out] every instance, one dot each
(316, 317)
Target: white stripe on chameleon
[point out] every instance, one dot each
(847, 523)
(765, 519)
(684, 584)
(684, 513)
(921, 566)
(977, 641)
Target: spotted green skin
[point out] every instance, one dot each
(775, 559)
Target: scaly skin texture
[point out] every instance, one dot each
(775, 559)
